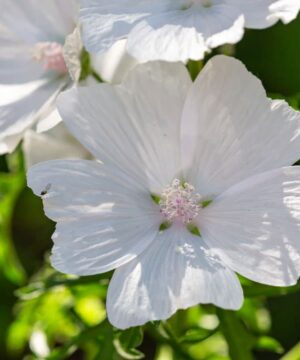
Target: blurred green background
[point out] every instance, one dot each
(47, 315)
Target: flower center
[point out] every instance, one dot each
(50, 55)
(180, 203)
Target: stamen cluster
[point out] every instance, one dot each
(50, 54)
(179, 202)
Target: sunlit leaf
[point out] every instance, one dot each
(127, 341)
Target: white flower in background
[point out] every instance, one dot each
(57, 143)
(177, 30)
(114, 64)
(208, 155)
(32, 67)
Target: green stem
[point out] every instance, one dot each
(239, 341)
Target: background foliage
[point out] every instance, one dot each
(47, 315)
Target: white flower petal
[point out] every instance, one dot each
(35, 21)
(231, 130)
(285, 10)
(12, 93)
(134, 126)
(104, 217)
(182, 35)
(49, 121)
(103, 23)
(170, 40)
(16, 64)
(260, 14)
(9, 143)
(57, 143)
(16, 117)
(176, 30)
(255, 227)
(175, 272)
(113, 65)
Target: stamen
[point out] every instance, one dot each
(179, 202)
(50, 55)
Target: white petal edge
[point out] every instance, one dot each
(104, 218)
(261, 14)
(16, 117)
(230, 130)
(113, 65)
(50, 20)
(182, 35)
(175, 272)
(135, 125)
(255, 227)
(56, 143)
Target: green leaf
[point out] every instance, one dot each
(196, 335)
(293, 354)
(101, 333)
(127, 341)
(39, 287)
(10, 188)
(270, 344)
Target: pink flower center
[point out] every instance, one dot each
(50, 55)
(180, 203)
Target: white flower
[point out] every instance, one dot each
(114, 64)
(57, 143)
(32, 67)
(177, 30)
(211, 153)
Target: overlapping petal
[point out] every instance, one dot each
(105, 22)
(255, 227)
(260, 14)
(16, 64)
(57, 143)
(176, 271)
(19, 115)
(182, 35)
(104, 218)
(33, 22)
(134, 126)
(176, 30)
(113, 65)
(231, 130)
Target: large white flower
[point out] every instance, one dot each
(208, 155)
(32, 67)
(177, 30)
